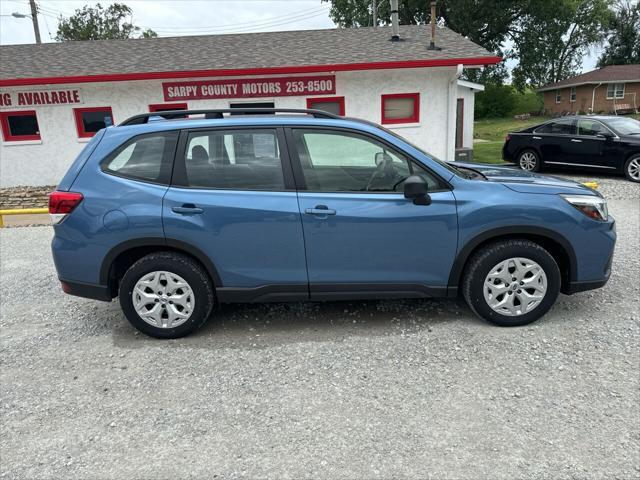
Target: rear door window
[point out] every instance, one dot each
(243, 159)
(558, 127)
(590, 128)
(146, 157)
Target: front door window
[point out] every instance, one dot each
(335, 161)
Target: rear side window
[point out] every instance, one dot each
(243, 159)
(146, 157)
(558, 127)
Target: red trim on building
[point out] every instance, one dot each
(340, 100)
(159, 107)
(6, 131)
(341, 67)
(414, 118)
(77, 113)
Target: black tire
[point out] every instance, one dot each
(632, 175)
(528, 152)
(182, 265)
(482, 261)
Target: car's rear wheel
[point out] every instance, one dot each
(166, 295)
(529, 160)
(632, 168)
(511, 282)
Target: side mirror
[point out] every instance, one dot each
(415, 188)
(605, 135)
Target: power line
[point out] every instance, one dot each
(256, 24)
(242, 27)
(244, 30)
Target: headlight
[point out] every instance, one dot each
(592, 206)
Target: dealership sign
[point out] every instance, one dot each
(249, 88)
(33, 98)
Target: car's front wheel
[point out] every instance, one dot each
(511, 282)
(529, 160)
(166, 295)
(632, 168)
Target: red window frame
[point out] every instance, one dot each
(6, 131)
(158, 107)
(414, 118)
(77, 113)
(340, 100)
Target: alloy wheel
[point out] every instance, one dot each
(634, 169)
(515, 286)
(528, 161)
(163, 299)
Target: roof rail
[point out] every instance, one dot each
(219, 113)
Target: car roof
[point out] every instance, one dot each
(266, 120)
(594, 116)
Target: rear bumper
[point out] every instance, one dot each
(87, 290)
(506, 154)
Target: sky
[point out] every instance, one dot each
(186, 17)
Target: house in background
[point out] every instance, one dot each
(612, 89)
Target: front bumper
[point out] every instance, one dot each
(606, 243)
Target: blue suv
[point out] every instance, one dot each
(177, 212)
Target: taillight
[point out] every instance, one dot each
(62, 203)
(507, 138)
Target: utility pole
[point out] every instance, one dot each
(34, 19)
(374, 11)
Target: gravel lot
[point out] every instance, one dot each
(336, 390)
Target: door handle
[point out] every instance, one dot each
(537, 138)
(575, 140)
(187, 209)
(320, 210)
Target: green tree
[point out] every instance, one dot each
(495, 101)
(489, 30)
(623, 41)
(552, 38)
(547, 38)
(100, 23)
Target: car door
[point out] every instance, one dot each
(232, 197)
(362, 237)
(593, 145)
(553, 140)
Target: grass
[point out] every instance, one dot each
(493, 131)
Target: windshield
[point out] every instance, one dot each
(625, 126)
(451, 168)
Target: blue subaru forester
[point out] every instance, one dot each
(177, 212)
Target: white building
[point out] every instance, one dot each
(54, 97)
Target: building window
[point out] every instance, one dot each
(615, 90)
(558, 96)
(251, 105)
(401, 108)
(19, 126)
(90, 120)
(333, 105)
(167, 107)
(573, 94)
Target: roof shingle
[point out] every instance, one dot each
(611, 73)
(224, 52)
